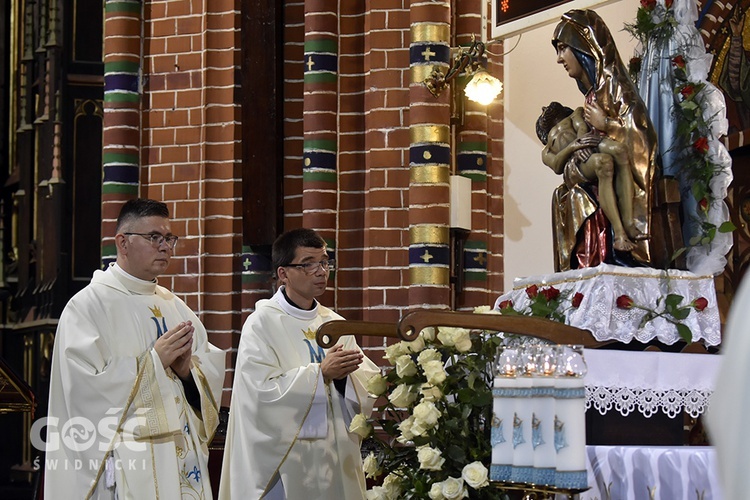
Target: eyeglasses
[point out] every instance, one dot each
(311, 268)
(157, 239)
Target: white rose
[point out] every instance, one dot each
(405, 429)
(405, 366)
(453, 489)
(430, 458)
(458, 337)
(371, 466)
(462, 339)
(436, 491)
(435, 372)
(416, 345)
(360, 426)
(485, 310)
(376, 493)
(475, 475)
(392, 486)
(426, 413)
(445, 335)
(419, 428)
(428, 334)
(428, 355)
(430, 393)
(402, 396)
(376, 385)
(393, 351)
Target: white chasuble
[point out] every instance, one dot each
(288, 430)
(104, 364)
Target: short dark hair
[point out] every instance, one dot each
(140, 208)
(286, 245)
(551, 116)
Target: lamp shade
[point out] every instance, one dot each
(483, 87)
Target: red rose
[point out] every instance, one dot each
(687, 91)
(624, 302)
(532, 291)
(703, 204)
(701, 145)
(700, 304)
(505, 304)
(577, 299)
(668, 3)
(648, 4)
(679, 61)
(550, 293)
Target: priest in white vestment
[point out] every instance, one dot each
(288, 434)
(135, 384)
(729, 407)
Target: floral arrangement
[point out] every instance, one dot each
(549, 302)
(666, 28)
(435, 438)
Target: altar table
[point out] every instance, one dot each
(649, 382)
(652, 473)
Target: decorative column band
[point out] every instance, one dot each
(471, 160)
(255, 265)
(429, 158)
(429, 254)
(321, 61)
(475, 260)
(319, 157)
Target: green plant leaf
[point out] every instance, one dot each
(685, 332)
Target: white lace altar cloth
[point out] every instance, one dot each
(647, 381)
(658, 472)
(602, 285)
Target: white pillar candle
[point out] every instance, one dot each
(523, 450)
(543, 431)
(570, 433)
(501, 436)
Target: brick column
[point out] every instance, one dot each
(122, 113)
(429, 159)
(320, 147)
(471, 161)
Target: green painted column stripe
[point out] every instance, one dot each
(109, 250)
(475, 177)
(319, 176)
(321, 46)
(473, 146)
(121, 67)
(113, 7)
(131, 189)
(474, 244)
(475, 275)
(123, 158)
(121, 97)
(321, 77)
(319, 144)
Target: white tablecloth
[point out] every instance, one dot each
(649, 382)
(599, 313)
(652, 473)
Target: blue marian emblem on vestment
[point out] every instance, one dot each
(196, 473)
(161, 329)
(517, 431)
(560, 441)
(496, 434)
(316, 353)
(536, 431)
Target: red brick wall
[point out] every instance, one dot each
(191, 151)
(191, 157)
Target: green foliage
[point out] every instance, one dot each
(462, 433)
